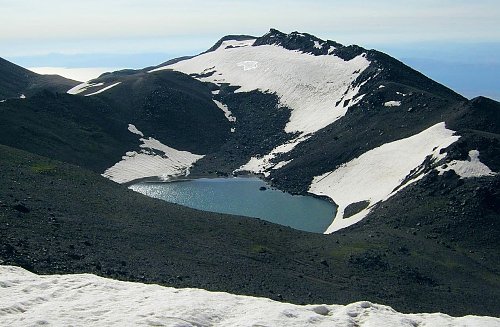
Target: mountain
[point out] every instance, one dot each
(16, 81)
(411, 165)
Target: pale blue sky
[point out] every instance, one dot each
(141, 33)
(126, 26)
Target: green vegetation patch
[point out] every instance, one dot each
(43, 168)
(257, 248)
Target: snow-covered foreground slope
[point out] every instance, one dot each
(27, 299)
(318, 89)
(154, 160)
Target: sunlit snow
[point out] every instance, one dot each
(27, 299)
(103, 89)
(374, 175)
(468, 168)
(83, 87)
(154, 160)
(392, 103)
(227, 113)
(316, 88)
(134, 130)
(261, 165)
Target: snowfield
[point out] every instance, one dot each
(379, 173)
(156, 159)
(27, 299)
(318, 89)
(375, 175)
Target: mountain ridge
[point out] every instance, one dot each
(16, 81)
(295, 118)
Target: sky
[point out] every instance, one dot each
(135, 34)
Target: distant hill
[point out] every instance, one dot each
(16, 81)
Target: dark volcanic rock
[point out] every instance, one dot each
(354, 208)
(157, 242)
(21, 208)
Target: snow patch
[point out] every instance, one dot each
(375, 175)
(22, 96)
(262, 165)
(317, 45)
(227, 112)
(2, 101)
(392, 104)
(134, 130)
(27, 299)
(103, 89)
(468, 168)
(281, 164)
(215, 92)
(80, 88)
(149, 162)
(318, 89)
(83, 87)
(230, 45)
(381, 86)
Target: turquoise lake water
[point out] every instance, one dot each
(242, 196)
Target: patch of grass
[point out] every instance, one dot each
(43, 168)
(257, 248)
